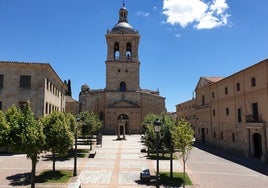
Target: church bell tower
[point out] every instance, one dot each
(122, 63)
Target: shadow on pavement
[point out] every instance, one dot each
(19, 179)
(168, 184)
(6, 154)
(150, 182)
(251, 163)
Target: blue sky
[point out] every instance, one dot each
(181, 40)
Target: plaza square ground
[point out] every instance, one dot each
(118, 164)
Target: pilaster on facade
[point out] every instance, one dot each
(37, 83)
(231, 113)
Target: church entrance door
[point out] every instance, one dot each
(122, 126)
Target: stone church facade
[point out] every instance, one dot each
(122, 100)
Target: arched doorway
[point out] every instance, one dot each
(122, 126)
(257, 144)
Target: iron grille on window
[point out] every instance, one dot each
(25, 81)
(1, 80)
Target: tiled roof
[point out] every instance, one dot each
(213, 79)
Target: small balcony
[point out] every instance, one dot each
(254, 118)
(201, 106)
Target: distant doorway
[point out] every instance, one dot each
(122, 126)
(257, 144)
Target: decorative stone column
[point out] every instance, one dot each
(118, 131)
(124, 130)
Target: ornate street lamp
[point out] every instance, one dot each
(75, 148)
(157, 129)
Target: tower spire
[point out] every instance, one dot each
(123, 14)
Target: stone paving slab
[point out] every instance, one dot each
(95, 177)
(116, 164)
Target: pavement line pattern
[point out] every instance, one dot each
(226, 173)
(151, 167)
(82, 164)
(115, 175)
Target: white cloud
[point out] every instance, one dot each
(178, 35)
(219, 6)
(202, 14)
(144, 14)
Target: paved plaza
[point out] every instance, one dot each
(117, 164)
(212, 168)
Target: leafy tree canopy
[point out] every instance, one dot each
(89, 123)
(59, 137)
(183, 136)
(4, 129)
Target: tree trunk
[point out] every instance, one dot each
(184, 160)
(54, 161)
(91, 142)
(171, 165)
(34, 161)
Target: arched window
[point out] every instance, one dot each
(116, 51)
(129, 51)
(123, 86)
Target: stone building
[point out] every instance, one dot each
(122, 104)
(231, 113)
(35, 82)
(186, 110)
(71, 105)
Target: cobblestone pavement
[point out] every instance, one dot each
(118, 164)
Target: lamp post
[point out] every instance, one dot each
(75, 148)
(157, 129)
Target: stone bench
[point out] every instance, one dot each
(75, 185)
(92, 154)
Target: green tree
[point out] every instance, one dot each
(89, 124)
(4, 130)
(68, 90)
(71, 121)
(168, 142)
(59, 137)
(150, 136)
(183, 138)
(26, 134)
(69, 86)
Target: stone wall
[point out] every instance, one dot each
(40, 95)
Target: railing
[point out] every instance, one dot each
(202, 106)
(254, 118)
